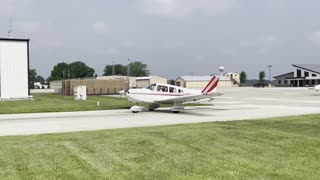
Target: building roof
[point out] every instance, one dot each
(148, 77)
(311, 67)
(286, 74)
(202, 78)
(13, 39)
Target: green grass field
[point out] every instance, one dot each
(57, 103)
(278, 148)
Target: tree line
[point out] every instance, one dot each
(79, 69)
(243, 76)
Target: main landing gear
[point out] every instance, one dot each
(176, 108)
(136, 109)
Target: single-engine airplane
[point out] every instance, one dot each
(157, 94)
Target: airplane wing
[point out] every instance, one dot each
(188, 98)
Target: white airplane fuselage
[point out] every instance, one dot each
(159, 93)
(317, 88)
(150, 96)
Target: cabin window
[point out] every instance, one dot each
(152, 87)
(180, 91)
(161, 88)
(172, 90)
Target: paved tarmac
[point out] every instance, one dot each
(235, 104)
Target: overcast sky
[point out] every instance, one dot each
(173, 37)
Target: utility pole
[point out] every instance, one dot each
(113, 71)
(128, 73)
(269, 66)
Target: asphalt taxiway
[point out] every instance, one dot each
(235, 104)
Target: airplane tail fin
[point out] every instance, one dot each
(212, 84)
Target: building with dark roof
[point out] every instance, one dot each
(303, 75)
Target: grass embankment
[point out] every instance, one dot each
(57, 103)
(279, 148)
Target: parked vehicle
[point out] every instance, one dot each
(38, 85)
(260, 85)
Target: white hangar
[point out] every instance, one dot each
(14, 68)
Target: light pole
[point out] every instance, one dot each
(270, 66)
(128, 68)
(113, 69)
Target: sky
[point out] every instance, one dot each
(173, 37)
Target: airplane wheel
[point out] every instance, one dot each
(175, 111)
(135, 111)
(151, 109)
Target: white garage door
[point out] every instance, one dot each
(14, 69)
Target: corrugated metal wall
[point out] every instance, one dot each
(95, 86)
(14, 69)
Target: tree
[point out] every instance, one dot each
(59, 71)
(243, 77)
(32, 75)
(119, 69)
(79, 69)
(172, 82)
(262, 75)
(138, 69)
(40, 79)
(75, 69)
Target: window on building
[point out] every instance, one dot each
(314, 75)
(306, 74)
(285, 81)
(279, 82)
(298, 73)
(313, 82)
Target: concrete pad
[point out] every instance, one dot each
(242, 103)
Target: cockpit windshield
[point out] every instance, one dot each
(152, 87)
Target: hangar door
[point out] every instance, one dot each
(14, 68)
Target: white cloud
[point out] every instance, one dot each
(262, 50)
(27, 27)
(315, 37)
(181, 8)
(112, 51)
(100, 27)
(269, 39)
